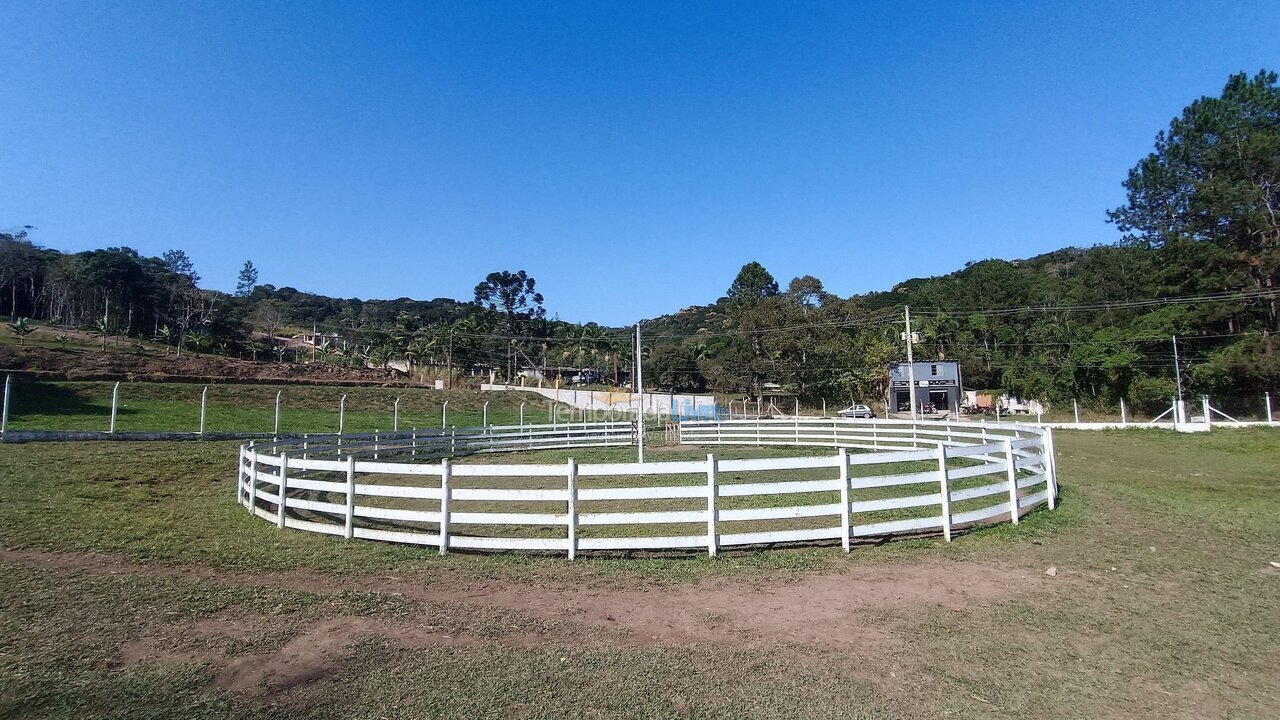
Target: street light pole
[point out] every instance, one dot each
(911, 363)
(639, 398)
(1177, 375)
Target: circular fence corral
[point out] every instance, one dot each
(880, 478)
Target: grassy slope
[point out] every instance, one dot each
(1186, 629)
(251, 407)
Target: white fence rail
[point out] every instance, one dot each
(880, 478)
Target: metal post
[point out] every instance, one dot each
(1012, 470)
(712, 539)
(484, 416)
(8, 380)
(444, 415)
(276, 430)
(395, 415)
(911, 364)
(945, 492)
(1124, 417)
(844, 498)
(445, 492)
(204, 396)
(572, 518)
(640, 390)
(1177, 374)
(115, 400)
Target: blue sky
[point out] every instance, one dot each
(631, 157)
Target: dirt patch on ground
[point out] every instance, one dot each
(834, 609)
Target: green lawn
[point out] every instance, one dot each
(136, 587)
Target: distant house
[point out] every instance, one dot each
(937, 384)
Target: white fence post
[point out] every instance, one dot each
(444, 415)
(1012, 469)
(945, 492)
(844, 499)
(283, 487)
(276, 428)
(1124, 418)
(1266, 396)
(204, 396)
(573, 507)
(8, 380)
(375, 443)
(1051, 469)
(824, 407)
(349, 529)
(115, 400)
(1204, 404)
(712, 539)
(413, 443)
(253, 479)
(342, 416)
(395, 415)
(1075, 405)
(522, 417)
(484, 415)
(445, 472)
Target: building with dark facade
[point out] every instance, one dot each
(937, 383)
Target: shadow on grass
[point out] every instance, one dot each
(39, 398)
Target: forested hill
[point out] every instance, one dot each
(1200, 260)
(1092, 323)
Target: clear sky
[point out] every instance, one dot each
(630, 156)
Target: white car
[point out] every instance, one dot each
(857, 411)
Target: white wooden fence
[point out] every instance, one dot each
(880, 478)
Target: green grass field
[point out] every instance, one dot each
(136, 587)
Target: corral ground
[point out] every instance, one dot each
(135, 587)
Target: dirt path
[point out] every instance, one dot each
(821, 609)
(852, 613)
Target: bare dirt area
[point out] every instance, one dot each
(833, 609)
(851, 613)
(114, 364)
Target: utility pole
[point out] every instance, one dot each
(639, 388)
(448, 362)
(911, 362)
(1177, 375)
